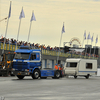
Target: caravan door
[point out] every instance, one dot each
(71, 68)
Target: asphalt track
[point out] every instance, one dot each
(12, 88)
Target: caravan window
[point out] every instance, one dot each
(71, 64)
(88, 65)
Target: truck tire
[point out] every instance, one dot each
(12, 75)
(36, 74)
(0, 74)
(56, 75)
(20, 76)
(5, 74)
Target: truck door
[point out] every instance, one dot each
(35, 59)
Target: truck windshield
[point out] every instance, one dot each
(22, 56)
(71, 64)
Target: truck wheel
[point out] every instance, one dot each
(75, 76)
(5, 74)
(0, 74)
(9, 73)
(36, 74)
(87, 76)
(12, 75)
(20, 76)
(57, 75)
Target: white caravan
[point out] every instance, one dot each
(80, 67)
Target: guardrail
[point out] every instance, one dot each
(12, 47)
(67, 55)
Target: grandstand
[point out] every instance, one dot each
(49, 56)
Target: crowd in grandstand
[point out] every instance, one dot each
(37, 45)
(20, 43)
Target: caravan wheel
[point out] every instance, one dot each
(75, 76)
(87, 76)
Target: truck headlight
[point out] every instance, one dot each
(13, 69)
(26, 69)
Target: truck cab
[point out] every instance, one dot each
(27, 62)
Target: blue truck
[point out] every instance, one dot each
(27, 62)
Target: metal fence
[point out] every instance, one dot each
(10, 47)
(67, 55)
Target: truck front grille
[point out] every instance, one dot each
(20, 65)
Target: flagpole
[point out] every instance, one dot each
(86, 48)
(89, 37)
(82, 45)
(22, 15)
(7, 27)
(94, 50)
(63, 30)
(95, 44)
(29, 32)
(87, 44)
(32, 18)
(18, 33)
(91, 44)
(59, 48)
(5, 36)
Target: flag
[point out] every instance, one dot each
(97, 39)
(33, 17)
(22, 15)
(9, 11)
(89, 37)
(92, 39)
(85, 35)
(63, 28)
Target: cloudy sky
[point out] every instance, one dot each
(77, 15)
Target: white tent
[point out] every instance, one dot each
(77, 50)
